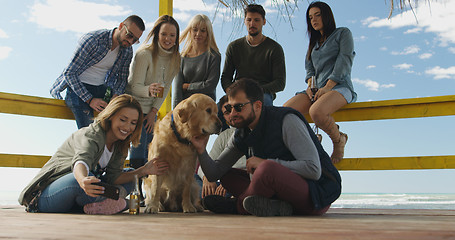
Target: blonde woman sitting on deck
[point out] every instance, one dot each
(93, 154)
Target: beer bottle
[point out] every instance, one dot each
(135, 198)
(108, 95)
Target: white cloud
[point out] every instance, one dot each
(425, 55)
(372, 85)
(413, 30)
(437, 17)
(3, 34)
(383, 49)
(452, 50)
(408, 50)
(440, 73)
(65, 15)
(403, 66)
(371, 66)
(361, 38)
(4, 52)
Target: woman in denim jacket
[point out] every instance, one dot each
(328, 63)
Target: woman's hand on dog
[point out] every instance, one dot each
(200, 142)
(155, 167)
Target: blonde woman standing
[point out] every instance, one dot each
(201, 59)
(154, 65)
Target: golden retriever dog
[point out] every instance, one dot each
(177, 190)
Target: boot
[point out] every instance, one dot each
(339, 140)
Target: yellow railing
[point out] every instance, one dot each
(362, 111)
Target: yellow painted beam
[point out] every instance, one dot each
(28, 161)
(396, 109)
(166, 7)
(34, 106)
(361, 111)
(385, 163)
(397, 163)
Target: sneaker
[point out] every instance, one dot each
(220, 204)
(106, 207)
(264, 207)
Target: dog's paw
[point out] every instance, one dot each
(150, 209)
(189, 209)
(199, 207)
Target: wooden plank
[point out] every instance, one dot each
(396, 109)
(385, 163)
(335, 224)
(397, 163)
(34, 106)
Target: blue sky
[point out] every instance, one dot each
(406, 56)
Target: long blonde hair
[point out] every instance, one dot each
(104, 119)
(200, 21)
(154, 48)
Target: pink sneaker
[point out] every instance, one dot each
(106, 207)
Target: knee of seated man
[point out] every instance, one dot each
(266, 167)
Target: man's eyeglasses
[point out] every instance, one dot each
(237, 107)
(129, 35)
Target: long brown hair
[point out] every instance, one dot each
(154, 48)
(327, 20)
(104, 119)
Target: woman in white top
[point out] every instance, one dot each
(201, 59)
(154, 65)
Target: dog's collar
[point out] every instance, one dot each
(177, 134)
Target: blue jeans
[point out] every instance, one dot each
(268, 99)
(141, 151)
(64, 194)
(83, 113)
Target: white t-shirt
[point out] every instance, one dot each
(104, 160)
(96, 74)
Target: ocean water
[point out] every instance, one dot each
(349, 200)
(396, 201)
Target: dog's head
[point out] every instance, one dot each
(197, 115)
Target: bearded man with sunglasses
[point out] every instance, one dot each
(291, 174)
(98, 70)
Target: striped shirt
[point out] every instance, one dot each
(92, 47)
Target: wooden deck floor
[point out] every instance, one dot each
(15, 223)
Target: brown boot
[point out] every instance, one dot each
(339, 139)
(338, 148)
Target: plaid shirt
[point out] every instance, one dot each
(92, 48)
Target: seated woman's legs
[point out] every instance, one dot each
(321, 113)
(300, 102)
(61, 195)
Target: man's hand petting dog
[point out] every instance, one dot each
(200, 142)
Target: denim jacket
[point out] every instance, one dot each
(333, 60)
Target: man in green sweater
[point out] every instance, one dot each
(256, 56)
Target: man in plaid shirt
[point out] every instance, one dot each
(98, 69)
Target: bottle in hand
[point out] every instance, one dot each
(135, 198)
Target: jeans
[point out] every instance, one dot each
(82, 111)
(268, 99)
(271, 180)
(64, 195)
(141, 152)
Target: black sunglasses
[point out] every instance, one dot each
(237, 107)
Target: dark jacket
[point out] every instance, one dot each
(267, 142)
